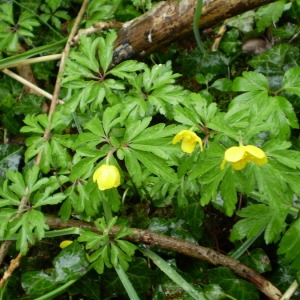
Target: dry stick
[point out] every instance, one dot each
(15, 262)
(34, 60)
(57, 86)
(221, 33)
(27, 83)
(290, 291)
(187, 248)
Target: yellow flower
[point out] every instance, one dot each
(189, 140)
(240, 156)
(107, 177)
(65, 244)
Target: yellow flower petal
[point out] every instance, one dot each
(65, 244)
(239, 165)
(235, 154)
(189, 140)
(107, 177)
(256, 154)
(240, 156)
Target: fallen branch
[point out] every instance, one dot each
(187, 248)
(168, 21)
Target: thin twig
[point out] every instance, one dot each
(96, 28)
(290, 291)
(14, 263)
(27, 83)
(65, 53)
(34, 60)
(187, 248)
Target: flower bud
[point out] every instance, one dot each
(107, 177)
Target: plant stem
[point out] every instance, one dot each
(107, 210)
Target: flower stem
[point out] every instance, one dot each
(107, 210)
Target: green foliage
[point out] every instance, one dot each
(69, 265)
(127, 115)
(105, 252)
(12, 30)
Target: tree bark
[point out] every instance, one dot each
(170, 20)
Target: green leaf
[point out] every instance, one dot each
(95, 126)
(269, 14)
(38, 283)
(9, 198)
(222, 84)
(272, 61)
(250, 82)
(274, 145)
(237, 288)
(133, 129)
(173, 275)
(71, 263)
(213, 292)
(5, 215)
(18, 185)
(257, 260)
(105, 50)
(133, 167)
(33, 226)
(289, 158)
(228, 192)
(127, 69)
(86, 57)
(291, 81)
(42, 199)
(31, 177)
(82, 168)
(244, 22)
(155, 165)
(6, 13)
(110, 118)
(10, 158)
(33, 123)
(139, 274)
(257, 217)
(290, 243)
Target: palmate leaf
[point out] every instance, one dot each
(31, 225)
(290, 244)
(5, 215)
(17, 184)
(291, 81)
(257, 217)
(127, 69)
(158, 76)
(105, 50)
(133, 167)
(155, 165)
(251, 81)
(228, 192)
